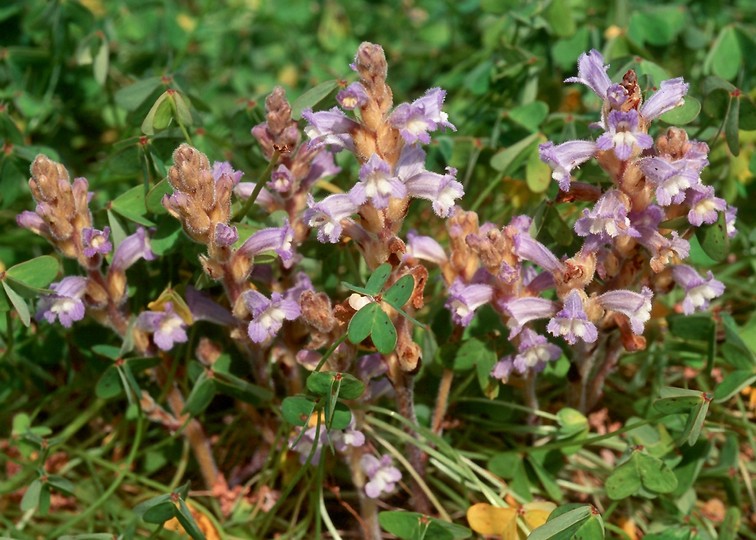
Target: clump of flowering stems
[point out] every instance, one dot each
(598, 300)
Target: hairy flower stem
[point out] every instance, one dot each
(442, 401)
(595, 384)
(368, 508)
(405, 400)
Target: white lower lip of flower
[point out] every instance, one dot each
(64, 305)
(170, 324)
(416, 125)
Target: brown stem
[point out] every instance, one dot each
(442, 401)
(595, 386)
(404, 390)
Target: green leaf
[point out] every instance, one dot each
(30, 499)
(156, 502)
(731, 525)
(530, 116)
(695, 421)
(559, 16)
(297, 410)
(683, 114)
(108, 351)
(546, 479)
(340, 418)
(400, 292)
(181, 109)
(61, 484)
(592, 529)
(413, 526)
(537, 173)
(312, 97)
(160, 513)
(377, 279)
(571, 422)
(384, 333)
(714, 239)
(694, 327)
(733, 383)
(159, 116)
(655, 475)
(361, 324)
(19, 304)
(320, 383)
(678, 400)
(132, 96)
(185, 517)
(201, 395)
(725, 56)
(562, 526)
(131, 205)
(109, 384)
(154, 200)
(732, 126)
(233, 386)
(503, 160)
(469, 353)
(623, 482)
(101, 63)
(36, 273)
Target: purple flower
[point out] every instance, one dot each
(698, 291)
(131, 249)
(637, 307)
(225, 235)
(704, 206)
(534, 351)
(661, 248)
(352, 97)
(671, 178)
(321, 166)
(592, 73)
(331, 128)
(530, 249)
(350, 437)
(281, 179)
(377, 184)
(204, 308)
(224, 168)
(326, 215)
(415, 120)
(442, 190)
(565, 157)
(731, 213)
(34, 222)
(268, 315)
(166, 326)
(382, 475)
(503, 368)
(571, 322)
(244, 190)
(95, 241)
(278, 239)
(465, 299)
(607, 219)
(669, 96)
(65, 303)
(524, 310)
(624, 135)
(425, 248)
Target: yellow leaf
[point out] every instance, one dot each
(203, 523)
(536, 513)
(486, 519)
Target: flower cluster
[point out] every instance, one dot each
(628, 253)
(388, 144)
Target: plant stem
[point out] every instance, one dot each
(442, 401)
(241, 214)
